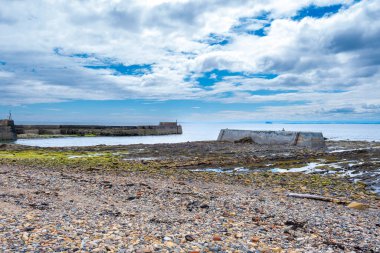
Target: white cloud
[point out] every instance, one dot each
(337, 52)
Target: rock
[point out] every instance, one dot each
(146, 250)
(358, 206)
(239, 235)
(25, 236)
(167, 238)
(248, 140)
(30, 216)
(216, 238)
(28, 229)
(189, 238)
(170, 244)
(204, 206)
(255, 239)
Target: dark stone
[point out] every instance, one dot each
(295, 224)
(247, 140)
(204, 206)
(189, 238)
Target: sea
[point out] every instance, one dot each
(206, 132)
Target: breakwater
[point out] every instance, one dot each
(313, 140)
(7, 130)
(164, 128)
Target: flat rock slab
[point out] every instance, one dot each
(313, 140)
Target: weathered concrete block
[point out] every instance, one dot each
(7, 130)
(302, 139)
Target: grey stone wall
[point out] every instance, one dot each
(7, 130)
(162, 129)
(301, 139)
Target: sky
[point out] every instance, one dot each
(144, 61)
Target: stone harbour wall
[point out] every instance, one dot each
(162, 129)
(7, 130)
(312, 140)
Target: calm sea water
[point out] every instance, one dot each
(202, 132)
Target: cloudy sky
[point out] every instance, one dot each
(191, 60)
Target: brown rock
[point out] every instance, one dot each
(216, 238)
(255, 239)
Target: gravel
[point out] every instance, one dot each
(58, 210)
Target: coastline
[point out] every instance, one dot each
(150, 198)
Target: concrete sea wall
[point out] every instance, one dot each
(302, 139)
(7, 130)
(163, 128)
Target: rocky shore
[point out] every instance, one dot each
(189, 197)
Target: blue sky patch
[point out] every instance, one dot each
(58, 51)
(253, 25)
(263, 75)
(214, 76)
(108, 63)
(121, 69)
(314, 11)
(216, 39)
(260, 32)
(342, 111)
(211, 77)
(332, 91)
(82, 55)
(263, 92)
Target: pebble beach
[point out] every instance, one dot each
(147, 198)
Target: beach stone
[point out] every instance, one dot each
(255, 239)
(239, 235)
(216, 238)
(358, 206)
(204, 206)
(189, 238)
(144, 250)
(170, 244)
(25, 236)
